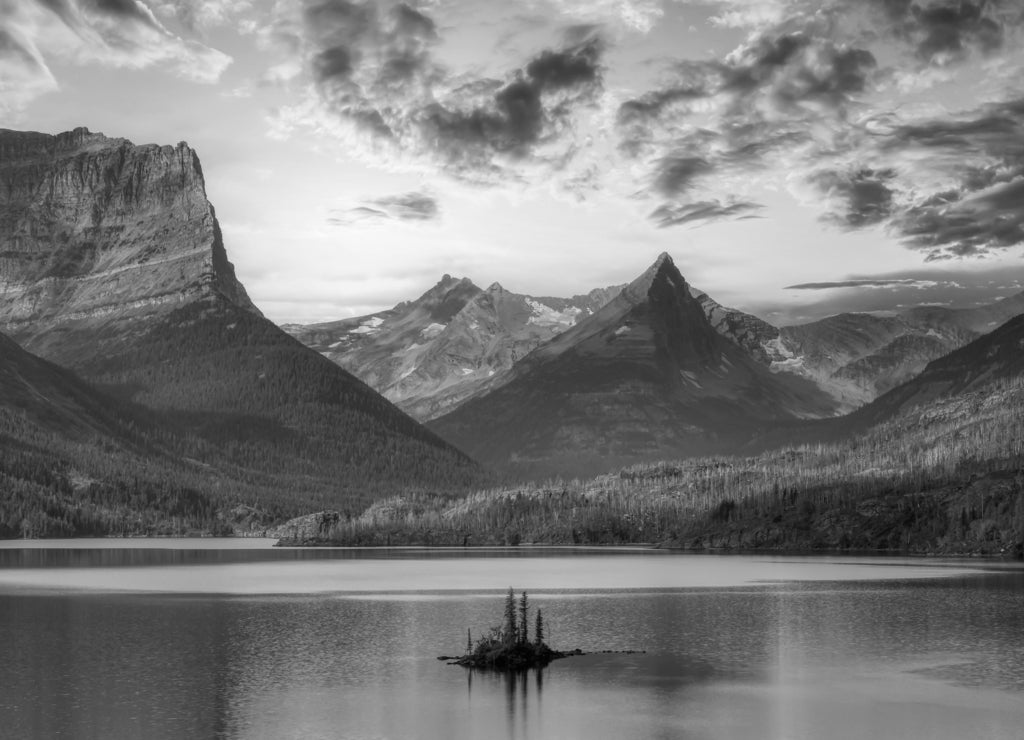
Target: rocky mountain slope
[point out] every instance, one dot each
(645, 377)
(113, 265)
(449, 345)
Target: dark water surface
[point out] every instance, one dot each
(257, 643)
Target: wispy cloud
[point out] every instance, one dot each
(866, 283)
(678, 214)
(637, 15)
(119, 33)
(412, 206)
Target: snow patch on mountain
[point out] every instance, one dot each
(547, 316)
(370, 326)
(432, 331)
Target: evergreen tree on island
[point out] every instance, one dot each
(508, 647)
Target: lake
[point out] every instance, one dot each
(233, 639)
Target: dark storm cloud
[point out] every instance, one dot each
(679, 214)
(767, 95)
(984, 155)
(676, 175)
(518, 114)
(412, 206)
(375, 68)
(941, 31)
(864, 195)
(954, 225)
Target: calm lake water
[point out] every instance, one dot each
(202, 639)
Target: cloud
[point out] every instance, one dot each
(23, 73)
(116, 33)
(858, 197)
(866, 283)
(413, 206)
(962, 183)
(376, 74)
(637, 15)
(945, 31)
(678, 214)
(199, 15)
(935, 32)
(809, 97)
(713, 123)
(955, 225)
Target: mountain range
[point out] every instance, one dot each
(645, 376)
(142, 391)
(456, 341)
(450, 344)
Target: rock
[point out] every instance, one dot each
(101, 235)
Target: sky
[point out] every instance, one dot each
(795, 158)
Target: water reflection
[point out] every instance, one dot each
(939, 658)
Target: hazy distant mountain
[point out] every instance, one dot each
(646, 376)
(855, 357)
(112, 264)
(450, 344)
(996, 356)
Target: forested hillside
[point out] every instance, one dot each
(78, 461)
(946, 477)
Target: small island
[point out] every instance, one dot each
(509, 647)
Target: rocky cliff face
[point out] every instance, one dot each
(113, 266)
(759, 338)
(451, 344)
(97, 233)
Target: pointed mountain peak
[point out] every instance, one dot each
(495, 288)
(445, 285)
(663, 269)
(445, 299)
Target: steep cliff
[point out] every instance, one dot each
(98, 236)
(113, 266)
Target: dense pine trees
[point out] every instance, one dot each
(947, 476)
